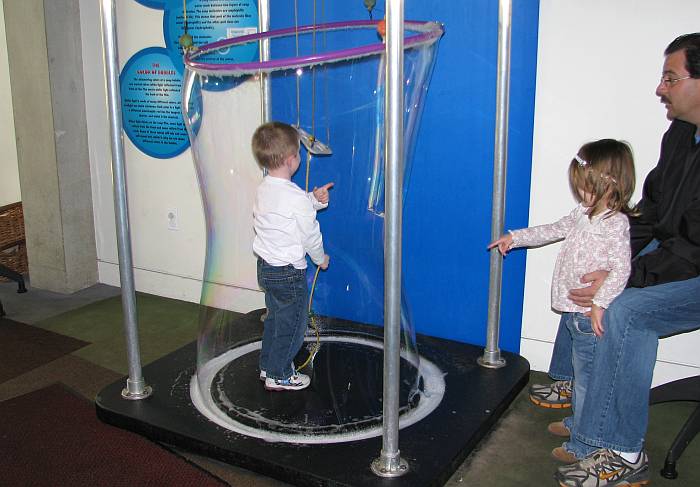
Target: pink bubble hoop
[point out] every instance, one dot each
(426, 32)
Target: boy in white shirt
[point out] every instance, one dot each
(285, 231)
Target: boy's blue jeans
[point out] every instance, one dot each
(616, 409)
(286, 295)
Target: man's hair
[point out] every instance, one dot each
(690, 43)
(273, 142)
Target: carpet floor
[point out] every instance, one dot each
(24, 347)
(514, 453)
(51, 437)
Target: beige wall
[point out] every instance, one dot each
(9, 172)
(45, 59)
(166, 262)
(598, 65)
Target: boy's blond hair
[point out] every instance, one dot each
(273, 142)
(605, 169)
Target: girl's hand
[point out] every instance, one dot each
(597, 320)
(504, 244)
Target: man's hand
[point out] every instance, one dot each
(583, 296)
(321, 194)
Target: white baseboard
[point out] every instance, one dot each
(184, 288)
(539, 353)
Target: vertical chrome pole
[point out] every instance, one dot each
(492, 354)
(389, 463)
(135, 384)
(264, 26)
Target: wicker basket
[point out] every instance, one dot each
(11, 224)
(13, 248)
(15, 258)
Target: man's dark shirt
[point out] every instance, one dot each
(670, 212)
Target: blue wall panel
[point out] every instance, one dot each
(447, 213)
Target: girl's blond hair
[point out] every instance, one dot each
(605, 169)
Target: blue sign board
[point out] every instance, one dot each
(151, 81)
(151, 89)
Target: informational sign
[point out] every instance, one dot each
(151, 81)
(214, 20)
(151, 100)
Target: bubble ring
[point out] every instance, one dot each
(431, 396)
(427, 33)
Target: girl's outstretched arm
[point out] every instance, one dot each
(504, 244)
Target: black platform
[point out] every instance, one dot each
(474, 399)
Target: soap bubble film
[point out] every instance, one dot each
(329, 81)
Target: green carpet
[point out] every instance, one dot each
(164, 326)
(79, 375)
(25, 347)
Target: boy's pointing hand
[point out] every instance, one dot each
(321, 194)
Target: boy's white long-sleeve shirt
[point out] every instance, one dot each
(286, 229)
(589, 245)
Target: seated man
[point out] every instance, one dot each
(663, 293)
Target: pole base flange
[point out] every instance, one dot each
(491, 364)
(134, 396)
(380, 468)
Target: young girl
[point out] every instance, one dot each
(596, 237)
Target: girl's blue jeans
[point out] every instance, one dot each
(561, 365)
(286, 295)
(582, 345)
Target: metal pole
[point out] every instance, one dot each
(135, 385)
(264, 26)
(492, 354)
(389, 463)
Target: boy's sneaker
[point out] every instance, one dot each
(263, 373)
(556, 395)
(296, 382)
(605, 468)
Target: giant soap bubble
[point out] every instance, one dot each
(327, 80)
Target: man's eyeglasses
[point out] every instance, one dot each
(667, 81)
